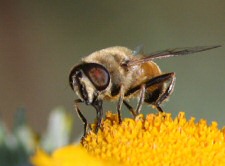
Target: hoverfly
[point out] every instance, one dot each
(118, 73)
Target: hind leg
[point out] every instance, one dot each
(156, 97)
(161, 95)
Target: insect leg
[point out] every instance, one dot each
(97, 104)
(130, 108)
(166, 93)
(140, 102)
(158, 96)
(120, 102)
(81, 116)
(141, 99)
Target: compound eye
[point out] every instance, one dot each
(98, 75)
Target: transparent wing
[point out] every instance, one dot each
(138, 50)
(170, 53)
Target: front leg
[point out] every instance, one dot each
(81, 116)
(97, 104)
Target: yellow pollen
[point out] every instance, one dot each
(157, 140)
(146, 140)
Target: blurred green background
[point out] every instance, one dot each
(40, 41)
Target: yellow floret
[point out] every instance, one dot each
(157, 140)
(146, 140)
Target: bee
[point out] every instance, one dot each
(119, 74)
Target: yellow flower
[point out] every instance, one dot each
(150, 140)
(71, 155)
